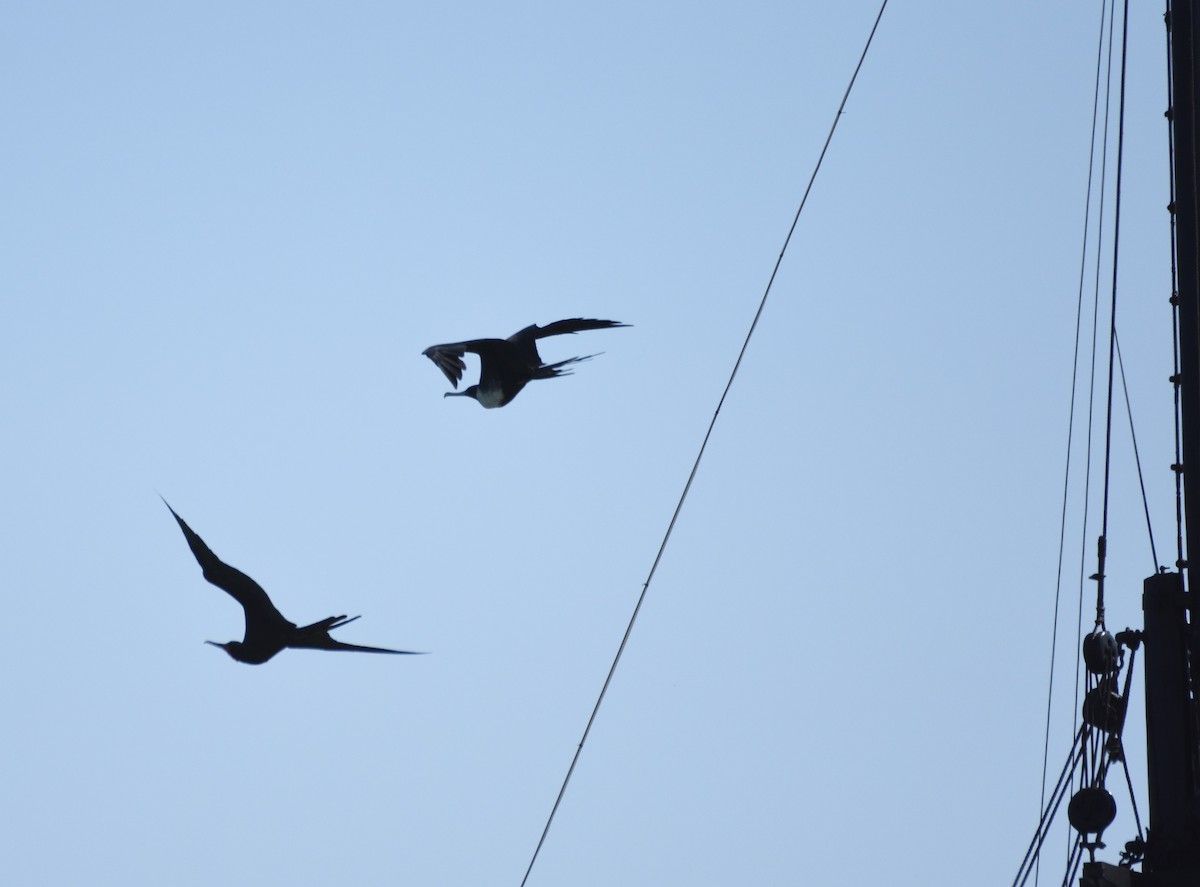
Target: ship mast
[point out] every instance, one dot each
(1172, 616)
(1185, 81)
(1173, 747)
(1173, 687)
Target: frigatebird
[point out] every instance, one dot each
(506, 365)
(267, 631)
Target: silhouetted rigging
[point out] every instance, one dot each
(507, 365)
(267, 631)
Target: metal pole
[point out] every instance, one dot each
(1173, 843)
(1184, 82)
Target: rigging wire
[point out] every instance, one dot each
(1112, 335)
(1073, 862)
(1087, 472)
(1031, 862)
(1123, 759)
(1136, 456)
(1099, 763)
(1062, 530)
(1098, 748)
(703, 445)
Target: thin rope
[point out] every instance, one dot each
(1112, 322)
(1073, 862)
(1062, 529)
(1133, 798)
(704, 444)
(1031, 863)
(1091, 422)
(1120, 733)
(1136, 456)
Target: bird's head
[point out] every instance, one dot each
(469, 391)
(233, 648)
(254, 655)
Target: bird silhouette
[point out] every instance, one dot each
(507, 365)
(267, 631)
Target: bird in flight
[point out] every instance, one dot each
(506, 365)
(267, 631)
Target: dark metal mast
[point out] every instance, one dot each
(1172, 741)
(1182, 28)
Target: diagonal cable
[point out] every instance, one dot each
(1062, 530)
(704, 444)
(1137, 459)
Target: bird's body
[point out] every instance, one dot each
(267, 630)
(507, 365)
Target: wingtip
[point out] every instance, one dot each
(168, 504)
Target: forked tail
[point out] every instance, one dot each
(550, 370)
(316, 637)
(326, 625)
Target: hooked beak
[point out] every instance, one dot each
(455, 394)
(215, 644)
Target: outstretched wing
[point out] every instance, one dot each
(525, 341)
(449, 357)
(316, 637)
(561, 327)
(240, 587)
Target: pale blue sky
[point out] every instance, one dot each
(227, 231)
